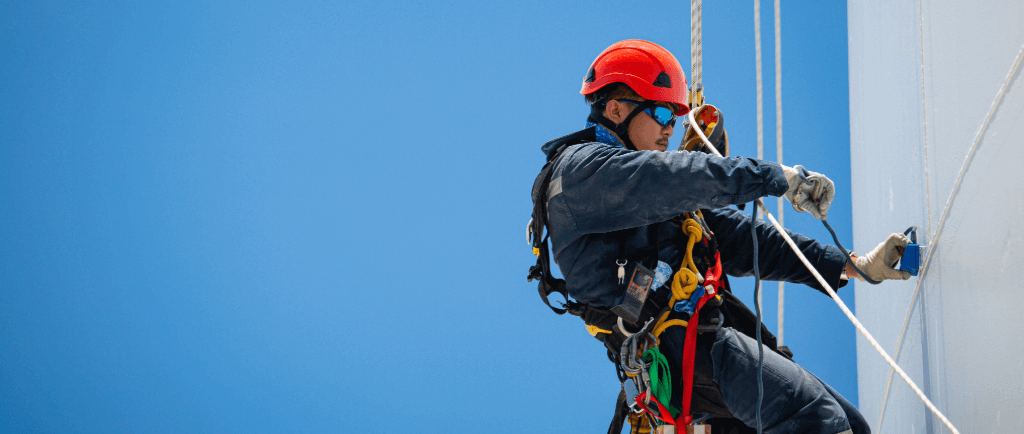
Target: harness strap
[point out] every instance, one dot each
(539, 240)
(690, 346)
(662, 414)
(684, 285)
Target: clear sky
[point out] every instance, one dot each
(254, 216)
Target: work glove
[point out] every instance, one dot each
(878, 263)
(809, 191)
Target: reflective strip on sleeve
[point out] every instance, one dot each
(555, 187)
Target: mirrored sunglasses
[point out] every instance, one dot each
(662, 115)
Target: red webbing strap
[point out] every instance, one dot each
(713, 277)
(662, 415)
(711, 283)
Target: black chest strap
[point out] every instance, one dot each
(538, 238)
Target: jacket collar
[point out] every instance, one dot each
(605, 136)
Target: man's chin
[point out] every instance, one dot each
(655, 147)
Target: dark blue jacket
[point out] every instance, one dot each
(597, 188)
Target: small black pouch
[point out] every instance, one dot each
(636, 294)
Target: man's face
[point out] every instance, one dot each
(646, 133)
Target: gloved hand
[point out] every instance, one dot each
(877, 264)
(809, 191)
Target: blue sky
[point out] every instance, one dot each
(309, 216)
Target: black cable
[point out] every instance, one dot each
(804, 174)
(757, 308)
(847, 253)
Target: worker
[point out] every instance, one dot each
(612, 200)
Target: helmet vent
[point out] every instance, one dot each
(663, 80)
(592, 75)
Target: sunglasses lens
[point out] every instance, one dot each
(664, 116)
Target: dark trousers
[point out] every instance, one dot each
(725, 386)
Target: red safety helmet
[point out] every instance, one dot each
(647, 68)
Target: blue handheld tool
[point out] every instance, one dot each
(911, 260)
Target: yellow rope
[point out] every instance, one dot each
(683, 285)
(662, 326)
(684, 282)
(691, 228)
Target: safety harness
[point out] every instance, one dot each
(642, 370)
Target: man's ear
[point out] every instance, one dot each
(616, 111)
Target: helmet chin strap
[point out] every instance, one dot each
(621, 129)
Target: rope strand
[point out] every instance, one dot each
(760, 96)
(695, 43)
(778, 143)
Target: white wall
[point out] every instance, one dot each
(912, 128)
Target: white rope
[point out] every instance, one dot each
(695, 43)
(924, 114)
(934, 239)
(760, 97)
(860, 327)
(778, 143)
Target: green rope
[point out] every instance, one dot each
(661, 378)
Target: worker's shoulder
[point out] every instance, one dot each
(590, 150)
(582, 143)
(584, 159)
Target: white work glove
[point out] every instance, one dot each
(809, 191)
(877, 264)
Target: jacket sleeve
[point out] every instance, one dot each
(775, 259)
(607, 188)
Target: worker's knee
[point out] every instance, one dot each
(793, 401)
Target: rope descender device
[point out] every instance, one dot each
(711, 122)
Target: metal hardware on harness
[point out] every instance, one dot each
(529, 238)
(631, 361)
(703, 226)
(629, 386)
(622, 329)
